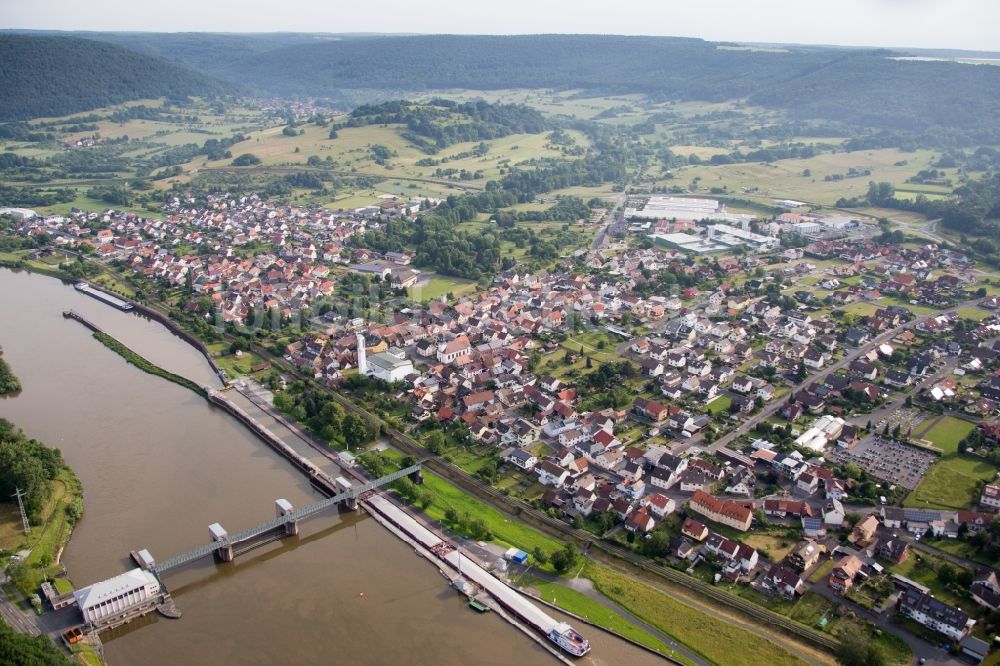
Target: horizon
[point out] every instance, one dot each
(962, 25)
(368, 34)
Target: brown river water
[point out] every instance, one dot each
(159, 464)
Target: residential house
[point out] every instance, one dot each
(894, 550)
(843, 574)
(985, 590)
(864, 531)
(659, 505)
(990, 496)
(522, 458)
(805, 555)
(783, 508)
(934, 614)
(694, 529)
(550, 474)
(779, 580)
(640, 521)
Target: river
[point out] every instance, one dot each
(159, 464)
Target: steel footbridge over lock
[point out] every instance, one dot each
(225, 546)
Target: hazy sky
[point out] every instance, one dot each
(960, 24)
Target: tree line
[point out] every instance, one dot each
(28, 465)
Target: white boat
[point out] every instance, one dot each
(567, 638)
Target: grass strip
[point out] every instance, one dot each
(144, 364)
(714, 639)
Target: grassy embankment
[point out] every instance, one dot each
(19, 260)
(714, 639)
(144, 364)
(593, 611)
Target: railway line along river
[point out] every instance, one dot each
(159, 464)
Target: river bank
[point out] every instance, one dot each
(9, 383)
(160, 464)
(35, 557)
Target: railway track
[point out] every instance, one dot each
(559, 529)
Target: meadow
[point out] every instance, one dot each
(785, 179)
(716, 640)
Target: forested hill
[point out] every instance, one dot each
(954, 102)
(851, 85)
(689, 67)
(54, 76)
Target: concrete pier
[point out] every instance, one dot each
(225, 551)
(283, 507)
(343, 486)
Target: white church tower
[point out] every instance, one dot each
(362, 358)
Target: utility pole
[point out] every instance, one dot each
(24, 517)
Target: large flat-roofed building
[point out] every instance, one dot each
(688, 243)
(724, 233)
(117, 595)
(390, 366)
(685, 208)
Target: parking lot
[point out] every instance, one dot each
(886, 459)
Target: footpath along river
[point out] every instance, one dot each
(159, 464)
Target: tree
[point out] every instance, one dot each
(355, 430)
(565, 558)
(435, 442)
(17, 648)
(856, 649)
(541, 557)
(947, 574)
(657, 546)
(246, 159)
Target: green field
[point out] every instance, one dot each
(720, 405)
(234, 367)
(784, 178)
(821, 572)
(977, 314)
(504, 529)
(859, 308)
(951, 483)
(441, 285)
(580, 604)
(948, 432)
(716, 640)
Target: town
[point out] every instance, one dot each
(788, 406)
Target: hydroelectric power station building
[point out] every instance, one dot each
(116, 596)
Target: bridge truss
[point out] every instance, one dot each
(298, 514)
